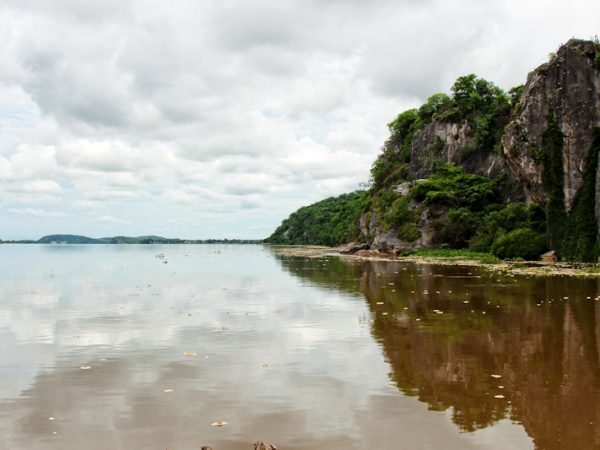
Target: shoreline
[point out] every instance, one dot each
(527, 268)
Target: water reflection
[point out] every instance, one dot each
(484, 347)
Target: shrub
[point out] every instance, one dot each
(452, 187)
(520, 243)
(388, 167)
(398, 213)
(434, 104)
(409, 232)
(514, 94)
(457, 227)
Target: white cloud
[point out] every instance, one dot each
(37, 212)
(232, 112)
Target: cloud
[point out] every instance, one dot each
(37, 212)
(112, 219)
(224, 110)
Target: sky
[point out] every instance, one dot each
(218, 118)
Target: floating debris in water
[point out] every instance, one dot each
(499, 396)
(263, 446)
(85, 367)
(219, 423)
(380, 303)
(190, 354)
(495, 376)
(167, 390)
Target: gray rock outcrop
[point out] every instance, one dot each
(567, 87)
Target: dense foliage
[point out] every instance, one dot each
(452, 187)
(520, 243)
(474, 216)
(573, 235)
(332, 221)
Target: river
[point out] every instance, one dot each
(153, 347)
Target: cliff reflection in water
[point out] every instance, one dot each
(446, 330)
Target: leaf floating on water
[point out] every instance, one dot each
(190, 354)
(219, 423)
(85, 367)
(496, 376)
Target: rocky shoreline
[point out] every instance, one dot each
(526, 268)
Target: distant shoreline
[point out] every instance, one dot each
(70, 239)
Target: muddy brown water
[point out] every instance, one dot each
(109, 347)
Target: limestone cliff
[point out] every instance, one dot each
(567, 88)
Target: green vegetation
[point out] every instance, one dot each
(453, 187)
(552, 143)
(520, 243)
(514, 95)
(391, 165)
(573, 235)
(332, 221)
(482, 257)
(483, 105)
(475, 216)
(581, 240)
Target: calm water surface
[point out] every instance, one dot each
(108, 347)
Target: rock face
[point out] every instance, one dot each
(452, 143)
(568, 87)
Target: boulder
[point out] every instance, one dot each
(353, 247)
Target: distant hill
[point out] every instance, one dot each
(76, 239)
(69, 239)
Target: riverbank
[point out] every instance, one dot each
(449, 257)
